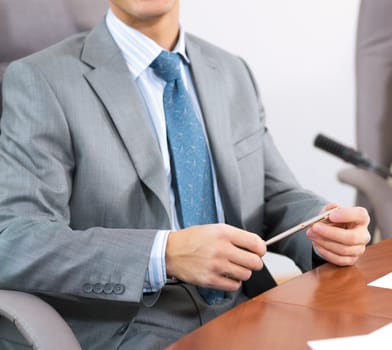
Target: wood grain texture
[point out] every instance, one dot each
(326, 302)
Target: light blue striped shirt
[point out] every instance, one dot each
(139, 52)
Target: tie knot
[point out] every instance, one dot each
(167, 66)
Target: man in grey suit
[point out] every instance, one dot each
(88, 213)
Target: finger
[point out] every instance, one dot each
(228, 284)
(336, 258)
(247, 240)
(221, 282)
(339, 249)
(237, 273)
(356, 215)
(322, 231)
(245, 259)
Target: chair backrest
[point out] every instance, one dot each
(27, 26)
(374, 87)
(374, 80)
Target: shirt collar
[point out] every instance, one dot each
(139, 50)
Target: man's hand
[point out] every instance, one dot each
(215, 256)
(342, 238)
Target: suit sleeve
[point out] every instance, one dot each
(39, 252)
(286, 202)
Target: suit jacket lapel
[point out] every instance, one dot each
(110, 79)
(210, 88)
(112, 82)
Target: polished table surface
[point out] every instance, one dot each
(326, 302)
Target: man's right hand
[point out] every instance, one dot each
(215, 256)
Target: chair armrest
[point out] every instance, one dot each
(377, 190)
(39, 323)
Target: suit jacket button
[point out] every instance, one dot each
(98, 288)
(87, 288)
(108, 288)
(119, 288)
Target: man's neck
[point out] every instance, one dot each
(163, 30)
(165, 35)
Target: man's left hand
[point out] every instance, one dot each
(342, 238)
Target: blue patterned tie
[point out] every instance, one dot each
(190, 162)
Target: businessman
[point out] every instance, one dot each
(139, 182)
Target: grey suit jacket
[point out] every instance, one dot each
(82, 184)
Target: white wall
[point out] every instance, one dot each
(302, 54)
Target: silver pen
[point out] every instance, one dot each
(299, 227)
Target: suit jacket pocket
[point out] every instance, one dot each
(248, 144)
(250, 158)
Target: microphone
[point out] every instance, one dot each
(350, 155)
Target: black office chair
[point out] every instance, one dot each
(374, 111)
(26, 27)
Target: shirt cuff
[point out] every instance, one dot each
(156, 272)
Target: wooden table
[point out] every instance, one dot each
(326, 302)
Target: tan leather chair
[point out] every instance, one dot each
(27, 26)
(38, 325)
(374, 111)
